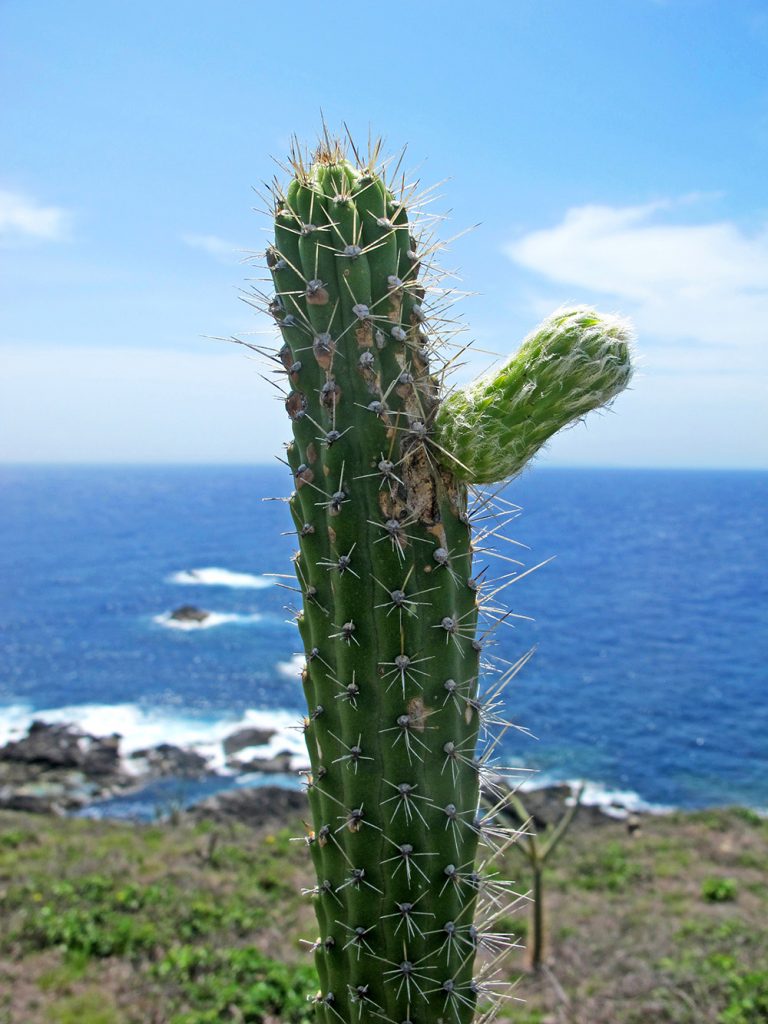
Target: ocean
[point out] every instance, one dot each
(649, 679)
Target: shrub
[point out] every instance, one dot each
(214, 983)
(719, 890)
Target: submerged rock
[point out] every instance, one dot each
(51, 793)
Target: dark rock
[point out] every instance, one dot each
(57, 768)
(255, 807)
(279, 763)
(248, 737)
(189, 613)
(546, 806)
(64, 746)
(56, 746)
(167, 759)
(101, 755)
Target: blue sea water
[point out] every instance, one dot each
(650, 624)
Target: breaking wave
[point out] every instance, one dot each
(211, 619)
(141, 728)
(213, 576)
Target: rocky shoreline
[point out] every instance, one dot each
(57, 769)
(270, 805)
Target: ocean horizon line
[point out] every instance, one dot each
(274, 464)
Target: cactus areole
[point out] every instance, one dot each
(398, 619)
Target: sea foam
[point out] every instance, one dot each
(213, 576)
(293, 668)
(212, 619)
(612, 801)
(141, 728)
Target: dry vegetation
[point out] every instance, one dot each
(107, 923)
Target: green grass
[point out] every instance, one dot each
(13, 838)
(610, 867)
(728, 962)
(170, 925)
(86, 1008)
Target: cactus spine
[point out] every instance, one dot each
(393, 622)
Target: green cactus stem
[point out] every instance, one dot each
(576, 361)
(394, 622)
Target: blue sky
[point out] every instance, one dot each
(612, 152)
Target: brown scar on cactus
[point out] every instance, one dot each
(403, 686)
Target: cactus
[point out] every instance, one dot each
(396, 621)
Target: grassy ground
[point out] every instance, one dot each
(104, 923)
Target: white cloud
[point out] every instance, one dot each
(24, 217)
(81, 404)
(219, 248)
(705, 283)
